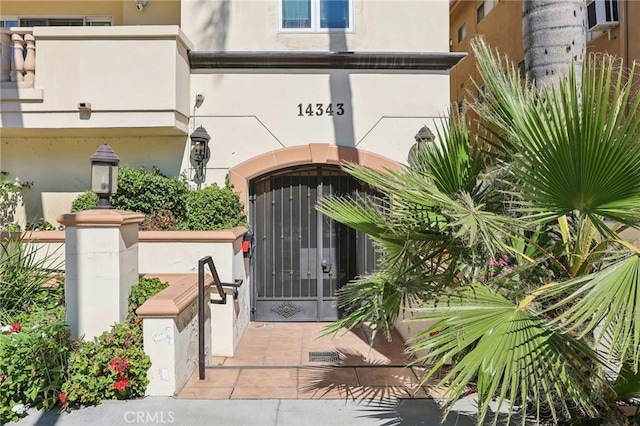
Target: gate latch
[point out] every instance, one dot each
(326, 266)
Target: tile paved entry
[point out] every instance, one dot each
(272, 362)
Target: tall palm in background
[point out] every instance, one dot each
(554, 38)
(512, 254)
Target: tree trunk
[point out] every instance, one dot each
(555, 36)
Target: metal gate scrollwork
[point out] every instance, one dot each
(302, 257)
(287, 309)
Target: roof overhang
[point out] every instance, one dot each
(325, 60)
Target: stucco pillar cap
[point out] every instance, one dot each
(100, 218)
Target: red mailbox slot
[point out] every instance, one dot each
(247, 242)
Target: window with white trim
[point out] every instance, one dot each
(316, 15)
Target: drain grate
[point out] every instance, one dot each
(330, 356)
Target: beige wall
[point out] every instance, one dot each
(131, 76)
(248, 114)
(391, 25)
(141, 91)
(123, 12)
(54, 8)
(156, 12)
(59, 167)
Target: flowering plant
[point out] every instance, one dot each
(10, 198)
(14, 327)
(121, 384)
(119, 365)
(33, 360)
(113, 367)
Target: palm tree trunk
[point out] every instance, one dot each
(554, 34)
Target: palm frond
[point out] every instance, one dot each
(513, 355)
(627, 384)
(377, 300)
(576, 147)
(359, 213)
(609, 298)
(454, 161)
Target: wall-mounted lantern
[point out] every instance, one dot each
(200, 153)
(104, 174)
(423, 138)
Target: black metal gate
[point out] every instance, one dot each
(302, 257)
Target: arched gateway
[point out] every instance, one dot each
(302, 257)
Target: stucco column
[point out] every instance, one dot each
(101, 265)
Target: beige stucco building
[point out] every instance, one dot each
(287, 90)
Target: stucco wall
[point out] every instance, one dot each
(172, 345)
(392, 25)
(250, 113)
(123, 12)
(131, 76)
(59, 167)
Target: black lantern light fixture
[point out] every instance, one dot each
(200, 153)
(104, 174)
(425, 135)
(423, 138)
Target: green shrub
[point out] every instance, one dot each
(144, 289)
(40, 225)
(213, 208)
(33, 361)
(44, 305)
(113, 368)
(162, 220)
(10, 199)
(85, 201)
(168, 203)
(149, 191)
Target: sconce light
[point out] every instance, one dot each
(140, 4)
(200, 153)
(424, 137)
(104, 174)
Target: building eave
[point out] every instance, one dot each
(325, 60)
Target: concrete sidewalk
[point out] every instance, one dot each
(164, 410)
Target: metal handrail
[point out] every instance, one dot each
(208, 260)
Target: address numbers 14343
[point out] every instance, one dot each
(312, 110)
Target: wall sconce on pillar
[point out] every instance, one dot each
(104, 174)
(200, 154)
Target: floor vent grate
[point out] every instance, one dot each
(331, 356)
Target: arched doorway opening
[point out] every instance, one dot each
(299, 263)
(302, 257)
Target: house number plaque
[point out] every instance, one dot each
(313, 110)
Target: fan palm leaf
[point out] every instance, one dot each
(608, 298)
(510, 352)
(453, 161)
(576, 147)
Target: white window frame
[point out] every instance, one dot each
(315, 21)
